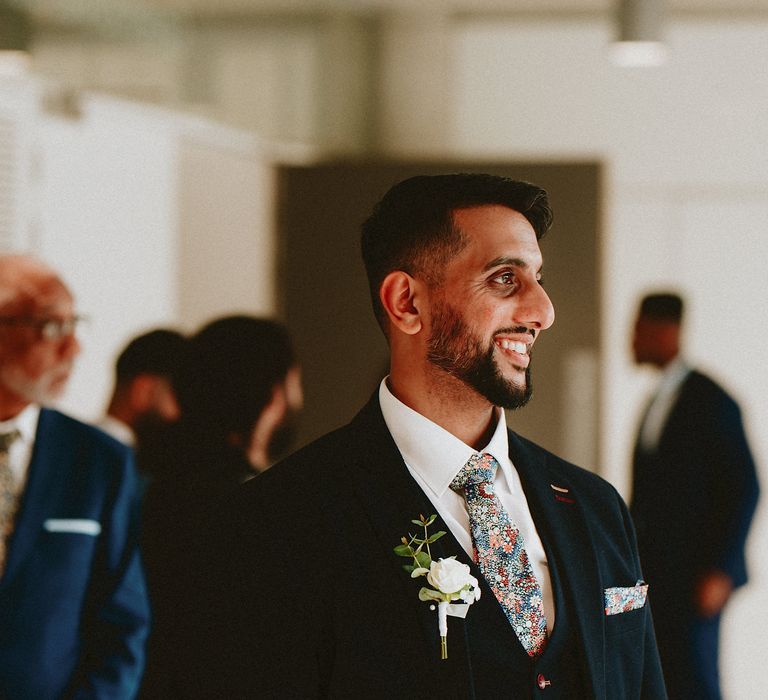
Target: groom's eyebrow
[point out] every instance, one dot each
(505, 260)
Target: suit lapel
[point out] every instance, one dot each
(52, 452)
(391, 498)
(563, 528)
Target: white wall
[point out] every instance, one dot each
(687, 204)
(107, 222)
(226, 202)
(153, 218)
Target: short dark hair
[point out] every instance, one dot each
(230, 368)
(156, 352)
(412, 228)
(662, 306)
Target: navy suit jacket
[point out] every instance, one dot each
(695, 494)
(307, 598)
(73, 607)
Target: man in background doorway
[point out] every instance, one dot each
(694, 494)
(73, 607)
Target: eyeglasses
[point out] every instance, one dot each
(49, 328)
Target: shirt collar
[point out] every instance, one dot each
(431, 451)
(25, 422)
(673, 375)
(118, 430)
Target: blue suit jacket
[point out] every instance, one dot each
(695, 494)
(73, 606)
(307, 599)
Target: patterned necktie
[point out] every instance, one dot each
(9, 495)
(499, 551)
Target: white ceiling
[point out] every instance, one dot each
(120, 19)
(209, 7)
(51, 10)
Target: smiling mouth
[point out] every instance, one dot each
(513, 345)
(516, 350)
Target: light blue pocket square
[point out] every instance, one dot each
(621, 600)
(79, 526)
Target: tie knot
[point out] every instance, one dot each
(479, 469)
(7, 439)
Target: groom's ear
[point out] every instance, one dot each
(401, 296)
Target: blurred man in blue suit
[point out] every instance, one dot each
(694, 494)
(73, 606)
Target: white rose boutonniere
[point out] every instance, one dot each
(451, 579)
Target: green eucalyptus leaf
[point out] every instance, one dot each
(417, 522)
(409, 567)
(436, 536)
(426, 594)
(431, 519)
(423, 559)
(404, 550)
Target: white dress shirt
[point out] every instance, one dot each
(434, 457)
(20, 452)
(668, 388)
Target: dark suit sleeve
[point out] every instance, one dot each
(116, 621)
(734, 479)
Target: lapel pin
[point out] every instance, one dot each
(559, 494)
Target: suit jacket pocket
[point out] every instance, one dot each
(65, 552)
(624, 623)
(625, 608)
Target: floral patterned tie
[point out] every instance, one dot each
(499, 551)
(9, 497)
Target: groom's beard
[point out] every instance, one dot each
(453, 348)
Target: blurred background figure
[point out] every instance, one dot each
(143, 403)
(73, 606)
(239, 392)
(143, 394)
(694, 494)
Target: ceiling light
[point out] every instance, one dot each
(15, 40)
(640, 24)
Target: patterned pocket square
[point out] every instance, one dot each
(79, 526)
(620, 600)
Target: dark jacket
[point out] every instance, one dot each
(183, 496)
(307, 599)
(695, 494)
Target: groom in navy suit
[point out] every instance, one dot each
(73, 606)
(305, 597)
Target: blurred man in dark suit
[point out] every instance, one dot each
(239, 390)
(694, 494)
